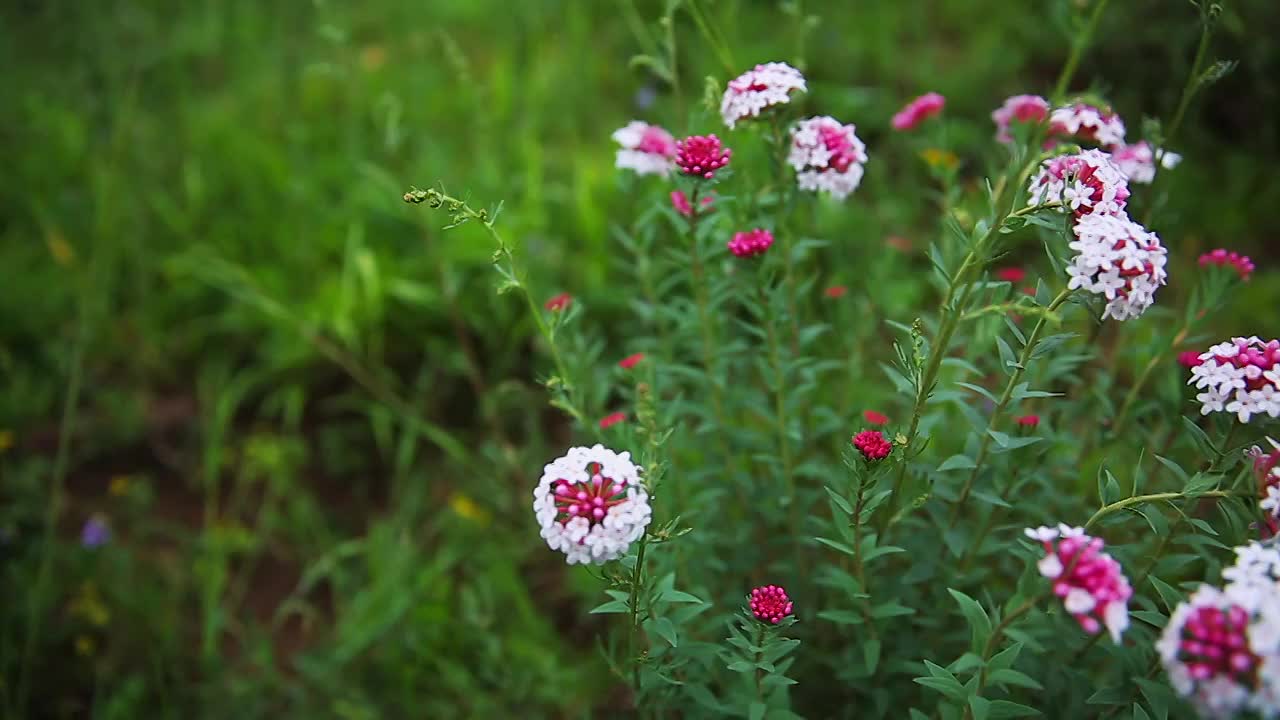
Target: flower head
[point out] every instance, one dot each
(1090, 582)
(701, 156)
(836, 291)
(1028, 421)
(612, 419)
(1087, 123)
(591, 504)
(872, 444)
(875, 418)
(1021, 109)
(1266, 467)
(95, 532)
(918, 110)
(1136, 162)
(1119, 260)
(631, 361)
(827, 156)
(1086, 183)
(1013, 275)
(750, 243)
(1220, 649)
(757, 89)
(1222, 258)
(1241, 376)
(558, 302)
(680, 202)
(646, 149)
(770, 604)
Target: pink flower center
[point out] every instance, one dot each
(1214, 643)
(770, 604)
(837, 143)
(701, 155)
(591, 499)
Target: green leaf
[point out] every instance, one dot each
(836, 545)
(979, 621)
(1005, 709)
(1005, 658)
(871, 655)
(677, 596)
(957, 462)
(1118, 695)
(839, 501)
(1201, 483)
(613, 606)
(741, 666)
(1139, 713)
(756, 711)
(980, 390)
(1168, 594)
(891, 609)
(666, 630)
(1013, 677)
(872, 553)
(1202, 442)
(841, 617)
(947, 686)
(980, 706)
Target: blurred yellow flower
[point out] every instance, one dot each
(59, 248)
(119, 485)
(85, 645)
(88, 605)
(938, 158)
(373, 57)
(6, 440)
(467, 508)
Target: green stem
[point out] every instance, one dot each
(1131, 397)
(997, 635)
(637, 582)
(1157, 497)
(858, 566)
(1078, 45)
(984, 445)
(780, 410)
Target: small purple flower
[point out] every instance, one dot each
(95, 532)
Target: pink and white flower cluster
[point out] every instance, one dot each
(827, 156)
(646, 149)
(1087, 182)
(1266, 467)
(1119, 260)
(1138, 163)
(591, 504)
(1021, 109)
(1241, 376)
(757, 89)
(1221, 648)
(1088, 123)
(1090, 582)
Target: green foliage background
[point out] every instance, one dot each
(327, 421)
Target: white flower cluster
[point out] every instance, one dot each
(1221, 648)
(758, 88)
(1241, 376)
(1120, 260)
(591, 504)
(1088, 122)
(827, 156)
(646, 149)
(1085, 183)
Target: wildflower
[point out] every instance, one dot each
(1220, 649)
(1087, 123)
(85, 646)
(646, 149)
(612, 419)
(770, 604)
(591, 504)
(680, 202)
(1268, 474)
(836, 291)
(1087, 183)
(1243, 266)
(939, 158)
(559, 302)
(95, 532)
(1013, 275)
(1119, 260)
(757, 89)
(1189, 359)
(1027, 421)
(874, 417)
(1019, 108)
(1138, 164)
(630, 361)
(466, 508)
(1090, 582)
(701, 156)
(119, 485)
(918, 110)
(6, 440)
(1241, 376)
(1257, 566)
(751, 243)
(88, 605)
(872, 444)
(899, 243)
(827, 156)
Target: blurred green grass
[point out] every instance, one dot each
(211, 190)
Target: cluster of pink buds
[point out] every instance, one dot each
(1086, 183)
(631, 361)
(1241, 376)
(827, 156)
(918, 110)
(1090, 582)
(701, 156)
(680, 202)
(1087, 123)
(770, 604)
(1221, 650)
(1223, 258)
(875, 418)
(1019, 108)
(751, 243)
(646, 149)
(872, 444)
